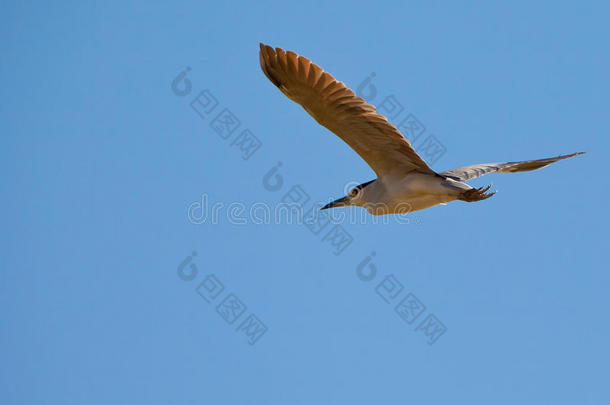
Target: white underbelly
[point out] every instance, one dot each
(427, 201)
(417, 192)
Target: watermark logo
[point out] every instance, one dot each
(409, 308)
(428, 147)
(294, 207)
(230, 308)
(225, 123)
(295, 204)
(181, 85)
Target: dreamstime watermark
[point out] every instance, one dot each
(286, 212)
(324, 225)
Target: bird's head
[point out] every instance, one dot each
(355, 197)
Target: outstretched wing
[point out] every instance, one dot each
(471, 172)
(337, 108)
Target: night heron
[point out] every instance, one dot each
(404, 181)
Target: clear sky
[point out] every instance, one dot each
(111, 164)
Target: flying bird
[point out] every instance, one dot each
(404, 183)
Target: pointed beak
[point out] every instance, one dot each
(341, 202)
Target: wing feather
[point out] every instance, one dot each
(337, 108)
(473, 171)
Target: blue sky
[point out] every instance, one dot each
(102, 157)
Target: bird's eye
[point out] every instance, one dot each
(354, 192)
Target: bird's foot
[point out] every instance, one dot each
(476, 194)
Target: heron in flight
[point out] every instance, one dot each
(404, 183)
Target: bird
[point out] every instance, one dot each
(404, 183)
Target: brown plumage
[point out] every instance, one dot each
(405, 182)
(336, 107)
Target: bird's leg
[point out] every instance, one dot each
(476, 194)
